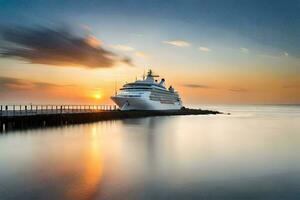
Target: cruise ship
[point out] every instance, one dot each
(147, 94)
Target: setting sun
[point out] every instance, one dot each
(97, 95)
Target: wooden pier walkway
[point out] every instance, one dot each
(26, 110)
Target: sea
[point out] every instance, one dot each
(253, 153)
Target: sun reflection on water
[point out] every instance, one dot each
(87, 185)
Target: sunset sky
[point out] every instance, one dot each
(211, 51)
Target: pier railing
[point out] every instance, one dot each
(23, 110)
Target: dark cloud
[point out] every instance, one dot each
(60, 47)
(196, 86)
(217, 88)
(15, 84)
(4, 81)
(291, 86)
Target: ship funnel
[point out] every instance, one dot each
(162, 82)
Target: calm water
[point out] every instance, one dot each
(252, 154)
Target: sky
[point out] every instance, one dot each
(211, 51)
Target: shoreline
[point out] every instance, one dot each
(9, 123)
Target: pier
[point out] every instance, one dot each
(14, 117)
(27, 110)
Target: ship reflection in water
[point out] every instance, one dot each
(252, 154)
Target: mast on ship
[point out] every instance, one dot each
(150, 73)
(115, 88)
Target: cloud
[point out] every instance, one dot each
(93, 41)
(278, 56)
(178, 43)
(190, 85)
(205, 49)
(244, 50)
(24, 91)
(7, 83)
(140, 54)
(268, 56)
(291, 86)
(86, 27)
(127, 48)
(59, 47)
(238, 90)
(15, 84)
(201, 86)
(127, 61)
(121, 47)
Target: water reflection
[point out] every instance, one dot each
(217, 157)
(89, 179)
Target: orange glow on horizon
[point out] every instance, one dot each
(82, 86)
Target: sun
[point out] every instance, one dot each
(97, 95)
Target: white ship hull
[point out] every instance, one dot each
(140, 103)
